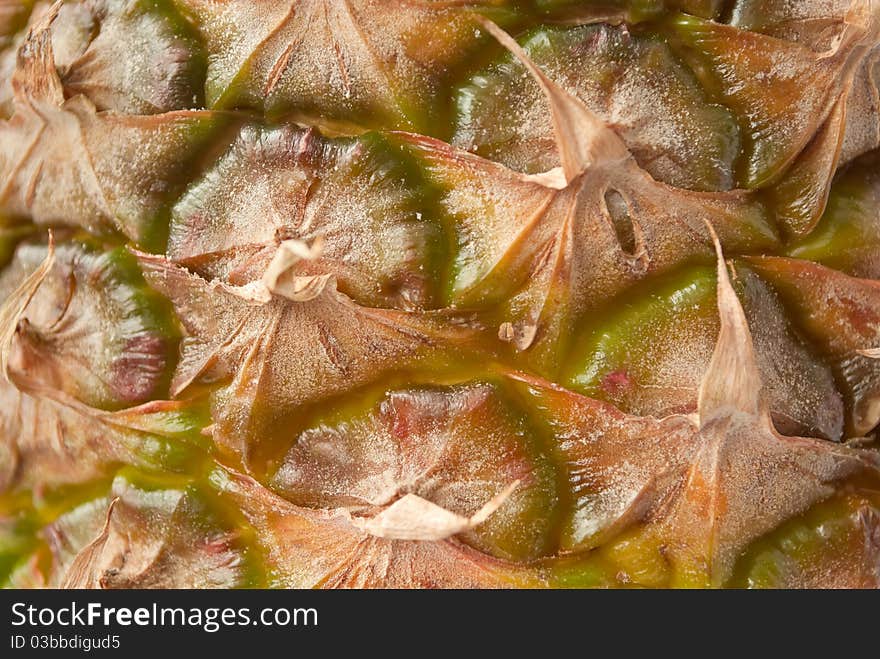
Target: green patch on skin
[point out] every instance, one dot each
(420, 106)
(51, 504)
(253, 568)
(614, 345)
(23, 543)
(181, 443)
(10, 237)
(17, 541)
(392, 161)
(364, 198)
(590, 571)
(633, 559)
(213, 511)
(847, 237)
(633, 11)
(183, 29)
(824, 543)
(464, 415)
(607, 350)
(89, 291)
(154, 313)
(630, 76)
(24, 515)
(205, 138)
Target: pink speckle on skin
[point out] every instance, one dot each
(616, 381)
(218, 544)
(400, 427)
(399, 417)
(138, 370)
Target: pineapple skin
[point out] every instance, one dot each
(490, 294)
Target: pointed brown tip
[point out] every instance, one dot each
(732, 382)
(278, 281)
(80, 574)
(35, 76)
(863, 14)
(582, 138)
(15, 305)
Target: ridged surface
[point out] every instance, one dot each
(346, 294)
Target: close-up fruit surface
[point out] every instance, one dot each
(440, 294)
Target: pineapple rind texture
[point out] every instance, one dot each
(480, 294)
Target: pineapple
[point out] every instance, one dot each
(489, 293)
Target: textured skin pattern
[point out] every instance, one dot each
(439, 293)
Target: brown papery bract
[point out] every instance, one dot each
(556, 242)
(322, 549)
(277, 352)
(64, 162)
(327, 60)
(704, 487)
